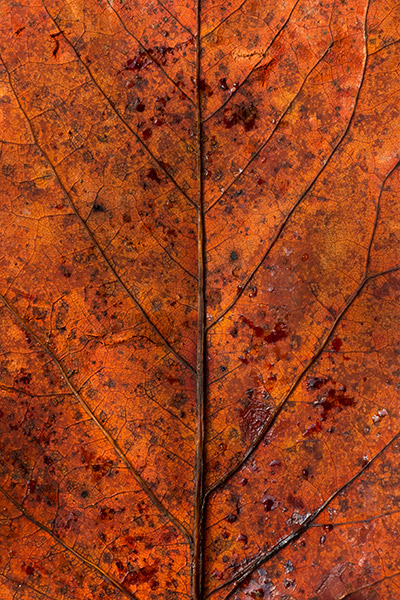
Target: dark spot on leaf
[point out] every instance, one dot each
(270, 503)
(152, 174)
(315, 383)
(23, 378)
(337, 344)
(231, 518)
(245, 114)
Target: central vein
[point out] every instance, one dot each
(197, 556)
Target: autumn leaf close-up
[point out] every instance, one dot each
(200, 300)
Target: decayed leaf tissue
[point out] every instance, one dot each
(200, 299)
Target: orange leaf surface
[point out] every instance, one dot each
(199, 295)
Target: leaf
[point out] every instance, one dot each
(200, 300)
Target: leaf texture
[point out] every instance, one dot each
(199, 292)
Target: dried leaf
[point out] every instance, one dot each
(200, 325)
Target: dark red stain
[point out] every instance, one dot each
(279, 332)
(296, 502)
(143, 575)
(107, 514)
(260, 181)
(333, 399)
(223, 84)
(157, 121)
(270, 503)
(261, 73)
(337, 344)
(258, 330)
(152, 174)
(147, 133)
(140, 107)
(99, 467)
(205, 87)
(29, 570)
(245, 114)
(23, 378)
(315, 383)
(314, 428)
(119, 565)
(254, 414)
(138, 62)
(32, 483)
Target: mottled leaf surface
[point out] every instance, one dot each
(200, 300)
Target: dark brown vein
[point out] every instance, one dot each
(20, 583)
(118, 114)
(148, 229)
(272, 419)
(102, 254)
(377, 215)
(241, 576)
(358, 521)
(197, 566)
(139, 479)
(254, 67)
(171, 14)
(148, 53)
(368, 586)
(275, 128)
(384, 47)
(304, 194)
(69, 549)
(206, 35)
